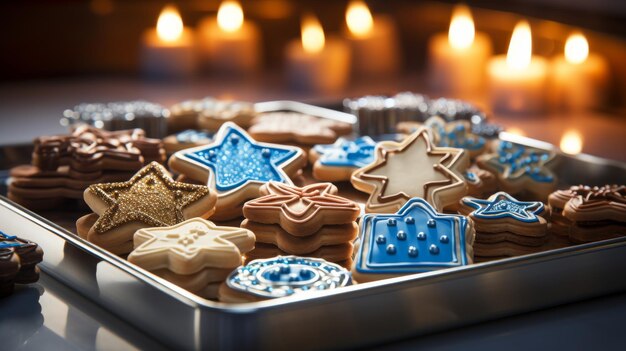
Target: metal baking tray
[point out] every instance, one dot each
(359, 315)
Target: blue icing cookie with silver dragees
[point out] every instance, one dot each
(287, 275)
(237, 159)
(345, 153)
(416, 239)
(517, 160)
(191, 136)
(503, 205)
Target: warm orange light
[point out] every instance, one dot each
(576, 48)
(461, 33)
(520, 47)
(170, 24)
(516, 131)
(230, 16)
(359, 19)
(312, 34)
(572, 142)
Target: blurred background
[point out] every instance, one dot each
(57, 54)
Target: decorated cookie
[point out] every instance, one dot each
(18, 262)
(560, 225)
(301, 211)
(506, 224)
(282, 276)
(236, 166)
(596, 213)
(186, 139)
(456, 134)
(412, 168)
(297, 128)
(520, 169)
(336, 162)
(416, 239)
(149, 199)
(328, 235)
(340, 254)
(195, 254)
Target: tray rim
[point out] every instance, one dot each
(195, 301)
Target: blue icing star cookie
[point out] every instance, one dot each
(503, 205)
(8, 241)
(235, 159)
(346, 153)
(456, 134)
(287, 275)
(416, 239)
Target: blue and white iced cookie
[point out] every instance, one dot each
(506, 226)
(282, 276)
(416, 239)
(456, 134)
(521, 169)
(336, 162)
(236, 166)
(186, 139)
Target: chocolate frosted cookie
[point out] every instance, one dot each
(63, 166)
(18, 262)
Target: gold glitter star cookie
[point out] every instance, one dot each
(412, 168)
(196, 254)
(151, 198)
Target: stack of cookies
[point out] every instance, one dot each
(196, 254)
(505, 226)
(310, 221)
(151, 198)
(18, 262)
(64, 166)
(587, 214)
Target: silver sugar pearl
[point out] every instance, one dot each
(391, 249)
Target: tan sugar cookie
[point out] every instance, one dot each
(190, 246)
(297, 128)
(334, 253)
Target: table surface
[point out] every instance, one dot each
(50, 316)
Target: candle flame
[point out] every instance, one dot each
(230, 16)
(359, 19)
(170, 24)
(461, 33)
(521, 47)
(312, 34)
(572, 142)
(576, 48)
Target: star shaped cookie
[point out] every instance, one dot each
(414, 240)
(190, 246)
(412, 168)
(151, 197)
(301, 211)
(501, 205)
(456, 134)
(236, 166)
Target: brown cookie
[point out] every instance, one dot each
(186, 139)
(504, 249)
(301, 211)
(595, 211)
(297, 128)
(213, 113)
(560, 225)
(492, 238)
(328, 235)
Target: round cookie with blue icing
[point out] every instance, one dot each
(416, 239)
(521, 169)
(336, 162)
(236, 166)
(282, 276)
